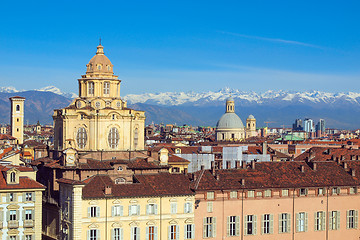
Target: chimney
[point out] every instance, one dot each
(302, 168)
(217, 177)
(213, 168)
(264, 148)
(311, 154)
(108, 190)
(252, 164)
(353, 172)
(314, 166)
(238, 164)
(243, 164)
(242, 182)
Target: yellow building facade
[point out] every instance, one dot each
(99, 120)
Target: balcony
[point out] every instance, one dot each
(13, 224)
(28, 223)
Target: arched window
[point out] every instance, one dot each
(99, 67)
(109, 68)
(12, 177)
(91, 87)
(120, 181)
(136, 137)
(81, 138)
(113, 138)
(18, 108)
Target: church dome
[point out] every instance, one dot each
(229, 120)
(251, 116)
(230, 99)
(99, 63)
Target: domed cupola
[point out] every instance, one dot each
(99, 64)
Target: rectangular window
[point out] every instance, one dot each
(188, 207)
(151, 233)
(301, 222)
(94, 234)
(174, 232)
(209, 227)
(91, 88)
(259, 194)
(303, 191)
(106, 87)
(117, 210)
(233, 226)
(12, 215)
(189, 231)
(209, 207)
(12, 197)
(28, 214)
(353, 190)
(250, 225)
(334, 220)
(135, 233)
(12, 237)
(321, 191)
(285, 192)
(117, 234)
(352, 219)
(267, 224)
(250, 193)
(335, 191)
(28, 237)
(151, 209)
(134, 210)
(284, 223)
(210, 195)
(28, 196)
(319, 221)
(173, 208)
(94, 211)
(267, 193)
(233, 194)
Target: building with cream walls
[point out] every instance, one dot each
(20, 203)
(99, 119)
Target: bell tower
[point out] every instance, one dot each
(230, 105)
(17, 118)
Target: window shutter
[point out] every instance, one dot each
(137, 233)
(130, 211)
(169, 232)
(155, 206)
(338, 220)
(204, 227)
(185, 232)
(228, 226)
(356, 219)
(88, 234)
(177, 232)
(147, 231)
(155, 233)
(192, 231)
(214, 225)
(245, 224)
(255, 224)
(271, 224)
(347, 219)
(262, 225)
(23, 197)
(237, 225)
(89, 209)
(315, 224)
(280, 223)
(297, 223)
(33, 196)
(97, 211)
(121, 211)
(288, 219)
(323, 221)
(23, 214)
(132, 231)
(121, 234)
(113, 234)
(138, 209)
(147, 209)
(98, 234)
(306, 222)
(113, 211)
(185, 207)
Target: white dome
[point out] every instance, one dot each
(229, 121)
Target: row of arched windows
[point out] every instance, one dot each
(113, 137)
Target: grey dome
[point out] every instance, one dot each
(230, 120)
(230, 99)
(251, 116)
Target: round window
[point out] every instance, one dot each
(97, 104)
(118, 104)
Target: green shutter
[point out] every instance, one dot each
(280, 223)
(245, 224)
(323, 220)
(271, 224)
(204, 227)
(237, 226)
(297, 222)
(155, 233)
(169, 232)
(177, 232)
(306, 222)
(347, 219)
(356, 219)
(262, 224)
(338, 220)
(255, 224)
(147, 232)
(214, 225)
(288, 218)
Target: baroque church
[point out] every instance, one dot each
(99, 119)
(231, 128)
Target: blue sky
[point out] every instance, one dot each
(159, 46)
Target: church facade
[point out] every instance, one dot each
(99, 119)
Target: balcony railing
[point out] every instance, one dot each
(29, 223)
(13, 224)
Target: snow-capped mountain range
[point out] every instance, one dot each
(218, 97)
